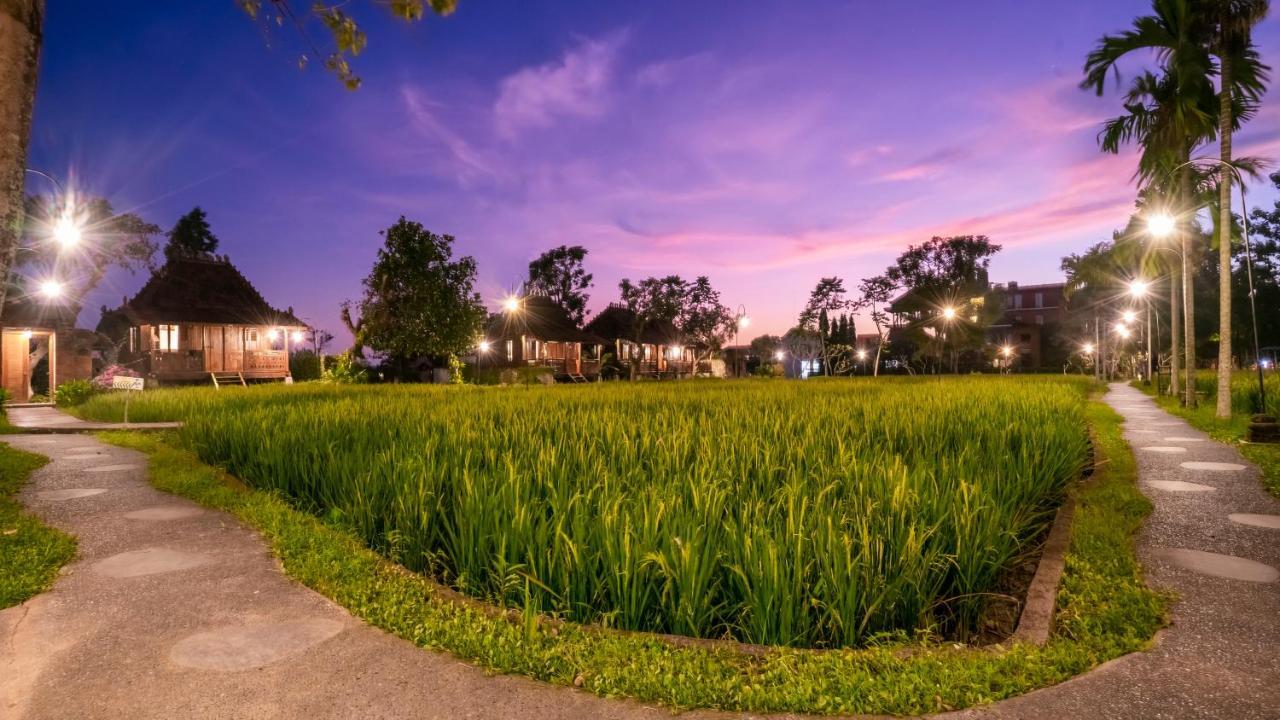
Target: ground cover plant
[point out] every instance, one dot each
(1245, 402)
(815, 514)
(30, 552)
(1104, 610)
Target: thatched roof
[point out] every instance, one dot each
(617, 322)
(201, 289)
(539, 318)
(31, 313)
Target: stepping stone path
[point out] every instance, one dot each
(1262, 521)
(1164, 449)
(1212, 466)
(149, 562)
(69, 493)
(1223, 566)
(82, 457)
(111, 468)
(245, 647)
(1179, 438)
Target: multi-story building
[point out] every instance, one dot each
(1031, 312)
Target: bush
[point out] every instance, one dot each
(74, 392)
(304, 365)
(344, 370)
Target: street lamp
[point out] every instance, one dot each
(511, 304)
(741, 321)
(1138, 289)
(948, 314)
(51, 289)
(1161, 225)
(66, 232)
(1007, 352)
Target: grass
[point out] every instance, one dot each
(31, 553)
(1233, 430)
(1104, 610)
(818, 514)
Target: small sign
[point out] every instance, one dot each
(123, 382)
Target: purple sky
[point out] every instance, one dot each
(763, 144)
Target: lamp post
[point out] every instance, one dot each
(740, 321)
(1007, 353)
(1161, 226)
(1087, 349)
(1138, 290)
(948, 315)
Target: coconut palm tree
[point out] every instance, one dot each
(1241, 81)
(1168, 116)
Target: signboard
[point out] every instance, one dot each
(121, 382)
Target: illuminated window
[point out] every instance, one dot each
(251, 340)
(133, 339)
(511, 351)
(167, 337)
(1039, 299)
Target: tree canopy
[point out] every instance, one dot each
(191, 236)
(560, 274)
(419, 301)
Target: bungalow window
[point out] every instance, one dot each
(133, 339)
(511, 351)
(167, 337)
(250, 340)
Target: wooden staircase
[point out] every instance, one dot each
(226, 378)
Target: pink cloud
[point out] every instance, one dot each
(576, 85)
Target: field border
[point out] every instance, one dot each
(31, 552)
(1104, 610)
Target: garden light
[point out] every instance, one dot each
(297, 336)
(66, 232)
(485, 345)
(273, 334)
(1160, 225)
(51, 289)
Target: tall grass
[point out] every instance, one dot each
(1245, 398)
(808, 514)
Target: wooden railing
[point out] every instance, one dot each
(170, 361)
(263, 361)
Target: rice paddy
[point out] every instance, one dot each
(808, 514)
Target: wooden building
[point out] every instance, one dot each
(539, 333)
(198, 317)
(31, 332)
(660, 350)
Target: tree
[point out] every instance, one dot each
(876, 293)
(1168, 116)
(766, 347)
(1241, 78)
(703, 319)
(21, 30)
(559, 275)
(651, 300)
(348, 39)
(827, 297)
(801, 345)
(419, 301)
(191, 236)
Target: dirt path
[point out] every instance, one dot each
(176, 611)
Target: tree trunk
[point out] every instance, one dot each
(1175, 331)
(1223, 409)
(21, 29)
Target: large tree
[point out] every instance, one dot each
(21, 31)
(705, 321)
(651, 300)
(827, 297)
(419, 301)
(191, 236)
(876, 294)
(560, 275)
(1241, 78)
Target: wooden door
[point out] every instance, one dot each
(17, 365)
(233, 349)
(213, 348)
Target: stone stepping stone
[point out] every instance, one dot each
(1223, 566)
(244, 647)
(148, 562)
(94, 456)
(111, 468)
(1170, 423)
(69, 494)
(1179, 486)
(1262, 521)
(1170, 449)
(164, 512)
(1181, 438)
(1143, 431)
(1213, 466)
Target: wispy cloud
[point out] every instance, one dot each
(576, 85)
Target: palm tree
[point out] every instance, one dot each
(1168, 116)
(1242, 78)
(21, 24)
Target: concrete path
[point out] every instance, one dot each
(176, 611)
(46, 419)
(1214, 538)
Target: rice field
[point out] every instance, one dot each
(813, 514)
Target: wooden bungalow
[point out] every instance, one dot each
(539, 333)
(198, 318)
(660, 350)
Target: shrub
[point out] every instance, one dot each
(74, 392)
(344, 370)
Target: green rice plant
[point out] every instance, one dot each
(809, 514)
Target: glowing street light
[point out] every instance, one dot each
(511, 304)
(51, 289)
(1123, 330)
(273, 334)
(1138, 288)
(485, 346)
(779, 355)
(66, 231)
(1161, 225)
(297, 336)
(1087, 348)
(862, 354)
(744, 321)
(948, 313)
(1129, 316)
(1006, 351)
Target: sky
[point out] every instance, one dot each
(765, 145)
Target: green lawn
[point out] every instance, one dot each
(1235, 429)
(1104, 608)
(30, 552)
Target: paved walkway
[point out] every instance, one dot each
(175, 611)
(46, 419)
